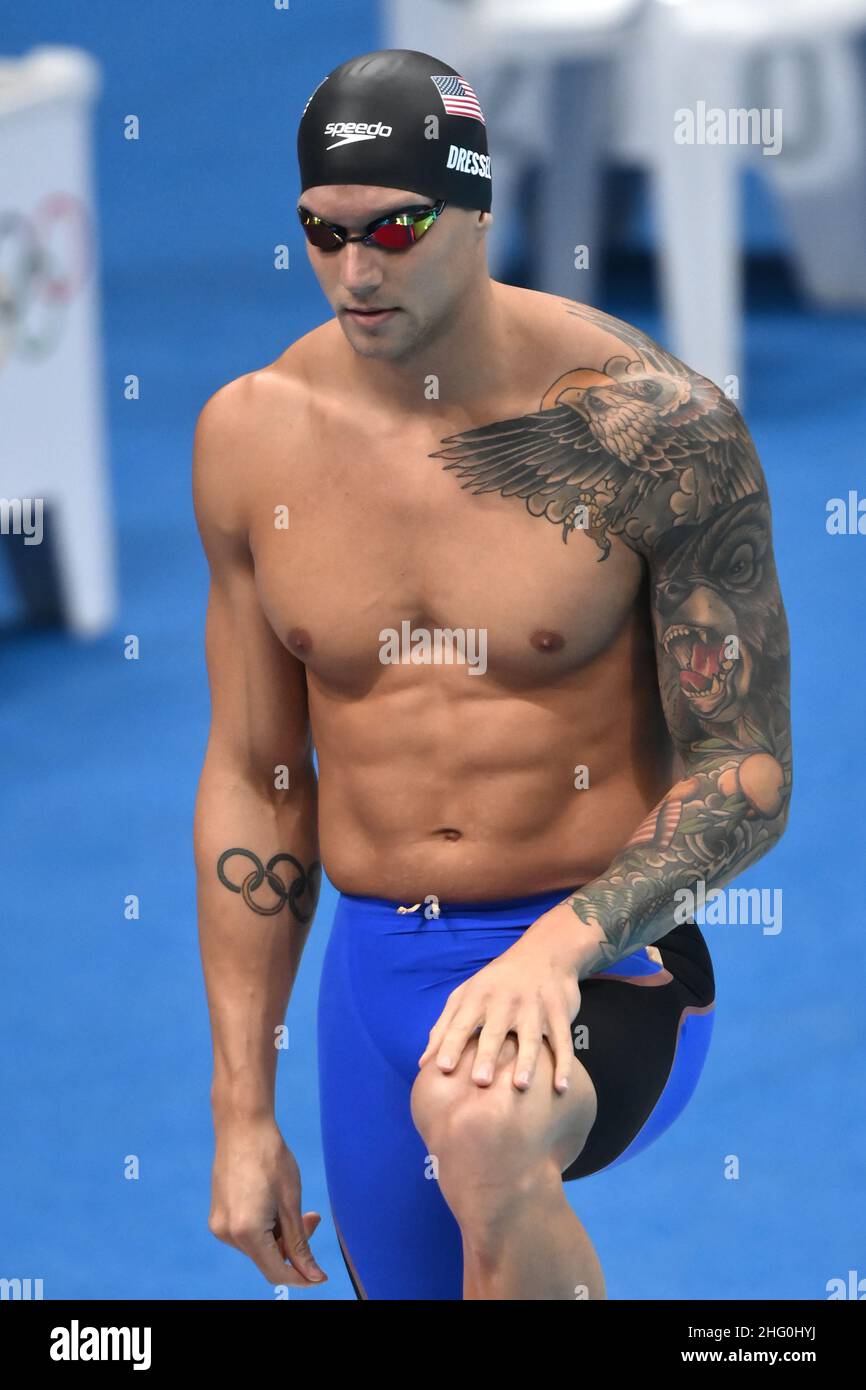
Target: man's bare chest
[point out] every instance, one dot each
(370, 535)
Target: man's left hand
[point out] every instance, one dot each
(530, 990)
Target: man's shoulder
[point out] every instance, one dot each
(248, 401)
(601, 338)
(571, 336)
(244, 424)
(659, 445)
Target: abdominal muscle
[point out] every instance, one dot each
(425, 787)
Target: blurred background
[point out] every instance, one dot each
(147, 180)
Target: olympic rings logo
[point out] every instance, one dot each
(44, 262)
(306, 881)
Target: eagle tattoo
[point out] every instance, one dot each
(602, 440)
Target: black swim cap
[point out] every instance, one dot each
(400, 119)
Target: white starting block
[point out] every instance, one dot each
(52, 421)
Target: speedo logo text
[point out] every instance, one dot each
(351, 131)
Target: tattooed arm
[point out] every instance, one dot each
(653, 453)
(255, 839)
(703, 526)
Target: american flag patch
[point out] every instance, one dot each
(458, 97)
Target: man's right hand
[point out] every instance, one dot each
(256, 1201)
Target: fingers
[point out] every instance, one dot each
(555, 1026)
(292, 1233)
(262, 1249)
(549, 1017)
(269, 1249)
(448, 1048)
(529, 1035)
(562, 1046)
(267, 1256)
(440, 1028)
(493, 1035)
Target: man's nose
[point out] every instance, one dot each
(360, 268)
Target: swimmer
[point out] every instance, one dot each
(506, 565)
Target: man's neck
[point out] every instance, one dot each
(466, 362)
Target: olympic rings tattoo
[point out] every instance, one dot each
(306, 881)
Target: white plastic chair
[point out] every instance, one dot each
(658, 56)
(680, 52)
(536, 69)
(728, 53)
(510, 88)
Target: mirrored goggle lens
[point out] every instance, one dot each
(394, 236)
(321, 236)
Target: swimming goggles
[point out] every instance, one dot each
(396, 232)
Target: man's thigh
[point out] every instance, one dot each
(643, 1041)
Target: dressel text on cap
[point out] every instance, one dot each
(468, 161)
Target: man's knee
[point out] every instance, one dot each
(444, 1104)
(499, 1127)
